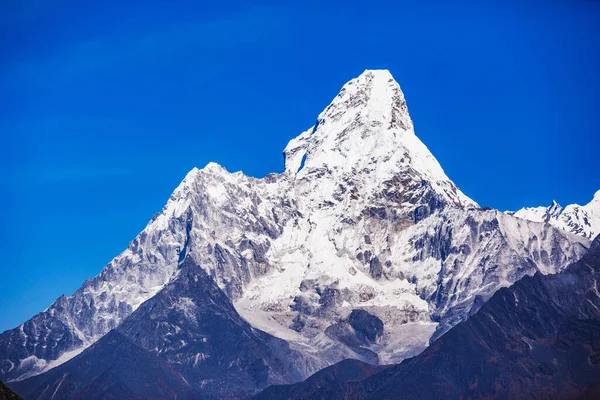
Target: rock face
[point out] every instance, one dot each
(538, 339)
(367, 325)
(581, 220)
(7, 394)
(186, 342)
(112, 368)
(329, 383)
(362, 218)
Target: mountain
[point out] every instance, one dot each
(581, 220)
(7, 394)
(112, 368)
(538, 339)
(186, 342)
(362, 248)
(329, 383)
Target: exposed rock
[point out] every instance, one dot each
(366, 324)
(7, 394)
(186, 342)
(538, 339)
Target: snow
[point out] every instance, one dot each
(36, 366)
(267, 321)
(581, 220)
(187, 307)
(404, 340)
(367, 127)
(535, 214)
(299, 233)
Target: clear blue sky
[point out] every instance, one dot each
(105, 106)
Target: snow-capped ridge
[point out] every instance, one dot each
(574, 218)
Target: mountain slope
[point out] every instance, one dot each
(581, 220)
(114, 367)
(329, 383)
(540, 338)
(185, 342)
(362, 218)
(7, 394)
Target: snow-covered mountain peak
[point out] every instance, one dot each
(367, 130)
(372, 96)
(353, 123)
(213, 167)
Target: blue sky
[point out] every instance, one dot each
(105, 106)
